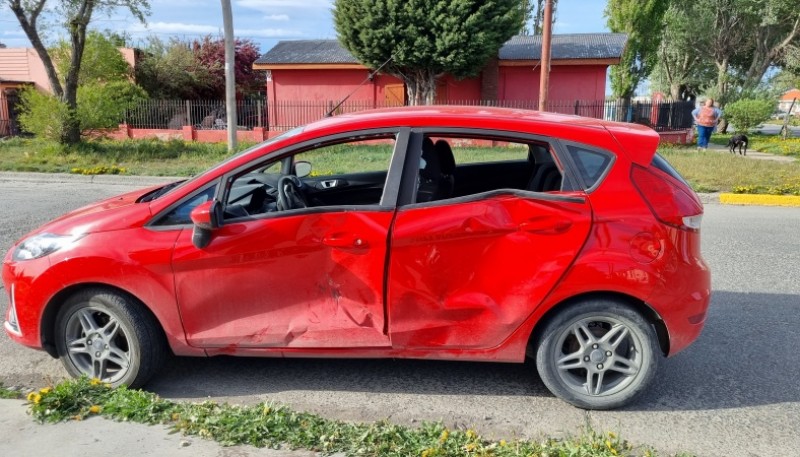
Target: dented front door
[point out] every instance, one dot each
(309, 280)
(466, 274)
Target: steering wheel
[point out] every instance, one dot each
(289, 194)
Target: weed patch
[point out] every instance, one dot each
(275, 426)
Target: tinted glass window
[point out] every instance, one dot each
(180, 215)
(662, 164)
(591, 164)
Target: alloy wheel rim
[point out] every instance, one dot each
(97, 344)
(598, 356)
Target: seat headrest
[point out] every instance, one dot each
(447, 162)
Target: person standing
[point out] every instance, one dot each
(706, 118)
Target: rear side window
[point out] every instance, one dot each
(662, 164)
(592, 164)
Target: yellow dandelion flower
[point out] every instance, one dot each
(95, 409)
(608, 444)
(36, 399)
(612, 435)
(426, 453)
(503, 443)
(471, 434)
(614, 451)
(444, 436)
(45, 390)
(470, 447)
(175, 416)
(108, 385)
(30, 396)
(95, 382)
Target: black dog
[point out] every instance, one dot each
(738, 140)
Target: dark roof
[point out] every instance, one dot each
(571, 46)
(307, 51)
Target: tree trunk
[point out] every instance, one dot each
(28, 24)
(421, 87)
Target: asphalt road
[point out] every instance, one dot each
(734, 392)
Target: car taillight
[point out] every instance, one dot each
(671, 201)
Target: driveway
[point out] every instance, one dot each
(734, 392)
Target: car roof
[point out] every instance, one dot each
(638, 141)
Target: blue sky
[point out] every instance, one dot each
(264, 21)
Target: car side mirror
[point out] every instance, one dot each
(302, 169)
(205, 218)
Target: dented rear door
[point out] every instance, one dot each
(465, 273)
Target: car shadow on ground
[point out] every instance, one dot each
(747, 356)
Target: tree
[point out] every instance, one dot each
(195, 70)
(534, 16)
(683, 68)
(77, 14)
(748, 113)
(102, 61)
(422, 40)
(210, 54)
(169, 70)
(643, 21)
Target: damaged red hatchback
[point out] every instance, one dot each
(463, 233)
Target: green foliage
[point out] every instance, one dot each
(643, 21)
(102, 106)
(274, 426)
(426, 38)
(748, 113)
(102, 60)
(169, 70)
(42, 114)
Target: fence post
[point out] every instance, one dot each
(188, 113)
(577, 105)
(258, 104)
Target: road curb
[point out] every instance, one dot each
(759, 200)
(32, 177)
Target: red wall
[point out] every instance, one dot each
(326, 85)
(567, 83)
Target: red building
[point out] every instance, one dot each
(305, 75)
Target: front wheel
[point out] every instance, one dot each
(597, 354)
(109, 336)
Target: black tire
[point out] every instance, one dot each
(129, 352)
(595, 373)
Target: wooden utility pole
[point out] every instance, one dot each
(230, 73)
(547, 32)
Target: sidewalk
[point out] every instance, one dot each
(22, 436)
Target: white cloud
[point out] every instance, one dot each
(175, 27)
(277, 17)
(268, 6)
(179, 28)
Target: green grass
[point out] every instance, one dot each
(709, 171)
(7, 393)
(771, 144)
(134, 157)
(275, 426)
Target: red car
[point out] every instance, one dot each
(453, 233)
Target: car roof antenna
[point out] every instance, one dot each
(368, 78)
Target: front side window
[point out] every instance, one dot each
(349, 172)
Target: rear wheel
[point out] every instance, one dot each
(109, 336)
(597, 354)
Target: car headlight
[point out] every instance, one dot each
(41, 245)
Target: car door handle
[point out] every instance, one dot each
(344, 241)
(546, 225)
